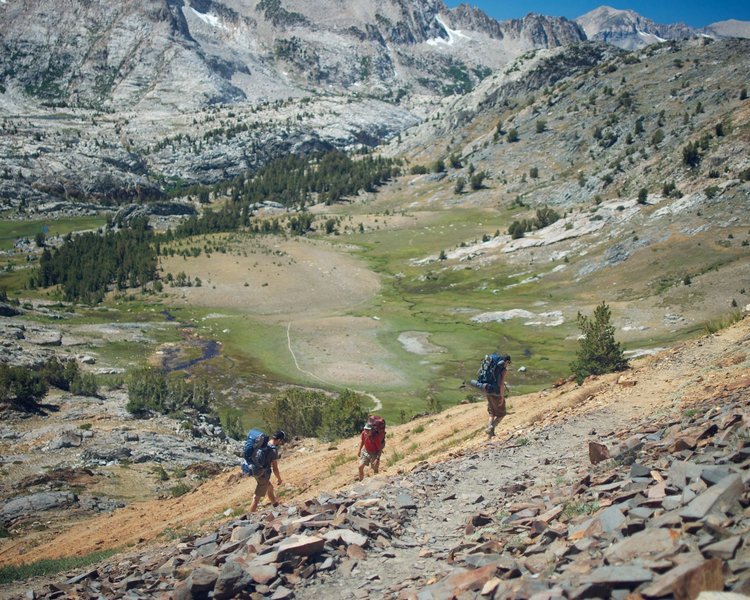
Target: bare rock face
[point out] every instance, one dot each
(629, 30)
(187, 55)
(121, 86)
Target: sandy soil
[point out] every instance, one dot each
(678, 375)
(277, 278)
(306, 286)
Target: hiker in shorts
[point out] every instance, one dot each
(264, 486)
(496, 400)
(371, 446)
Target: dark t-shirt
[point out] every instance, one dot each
(262, 460)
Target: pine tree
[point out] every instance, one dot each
(598, 353)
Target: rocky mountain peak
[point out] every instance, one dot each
(627, 29)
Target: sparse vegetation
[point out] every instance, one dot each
(180, 489)
(394, 458)
(728, 320)
(44, 568)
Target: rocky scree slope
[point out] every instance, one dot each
(185, 55)
(76, 456)
(619, 493)
(596, 121)
(108, 102)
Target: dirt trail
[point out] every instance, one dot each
(681, 374)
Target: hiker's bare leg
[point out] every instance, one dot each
(254, 505)
(376, 466)
(361, 472)
(496, 410)
(272, 495)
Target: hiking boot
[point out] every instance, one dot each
(490, 431)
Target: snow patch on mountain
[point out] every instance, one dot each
(209, 19)
(452, 34)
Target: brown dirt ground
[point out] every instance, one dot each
(284, 277)
(675, 377)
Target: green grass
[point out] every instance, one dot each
(179, 490)
(10, 231)
(339, 461)
(259, 351)
(574, 509)
(49, 567)
(728, 320)
(394, 458)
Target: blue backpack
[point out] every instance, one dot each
(256, 453)
(488, 375)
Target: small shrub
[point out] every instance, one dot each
(477, 180)
(179, 490)
(433, 404)
(691, 154)
(21, 386)
(723, 322)
(575, 509)
(394, 458)
(85, 384)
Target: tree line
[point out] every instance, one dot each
(294, 182)
(88, 264)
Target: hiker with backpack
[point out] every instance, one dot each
(491, 380)
(261, 455)
(371, 445)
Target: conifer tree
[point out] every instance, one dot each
(598, 352)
